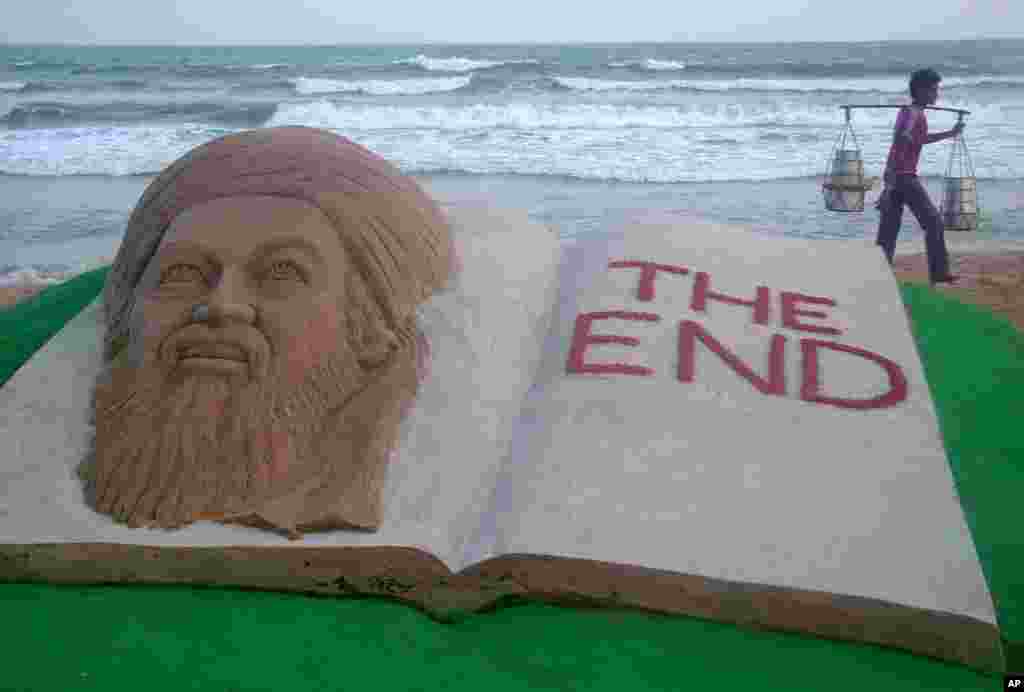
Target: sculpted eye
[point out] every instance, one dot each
(284, 270)
(181, 274)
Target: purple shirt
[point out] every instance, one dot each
(906, 150)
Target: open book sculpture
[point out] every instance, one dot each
(680, 417)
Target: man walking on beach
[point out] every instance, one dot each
(902, 186)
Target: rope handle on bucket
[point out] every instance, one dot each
(958, 154)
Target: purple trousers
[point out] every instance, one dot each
(908, 190)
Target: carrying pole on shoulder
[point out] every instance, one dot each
(845, 185)
(959, 111)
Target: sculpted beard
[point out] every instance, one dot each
(173, 447)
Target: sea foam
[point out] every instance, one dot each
(525, 115)
(457, 64)
(652, 65)
(884, 85)
(579, 117)
(577, 138)
(29, 277)
(311, 86)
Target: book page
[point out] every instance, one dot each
(742, 407)
(486, 330)
(581, 263)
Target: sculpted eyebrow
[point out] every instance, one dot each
(180, 250)
(300, 244)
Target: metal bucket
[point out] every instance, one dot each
(844, 186)
(960, 204)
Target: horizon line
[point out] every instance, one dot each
(342, 44)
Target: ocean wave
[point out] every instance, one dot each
(38, 113)
(650, 64)
(15, 276)
(310, 86)
(12, 276)
(129, 84)
(726, 141)
(197, 86)
(636, 172)
(115, 85)
(36, 87)
(234, 114)
(459, 64)
(892, 86)
(279, 84)
(602, 116)
(1003, 81)
(668, 141)
(861, 85)
(55, 114)
(128, 68)
(848, 68)
(104, 151)
(525, 115)
(185, 69)
(634, 155)
(464, 115)
(19, 65)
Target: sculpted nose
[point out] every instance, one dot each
(229, 301)
(222, 312)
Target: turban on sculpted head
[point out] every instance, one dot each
(367, 197)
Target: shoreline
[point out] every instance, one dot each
(991, 275)
(70, 225)
(53, 226)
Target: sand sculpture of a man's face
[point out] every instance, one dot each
(261, 337)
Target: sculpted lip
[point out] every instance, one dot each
(213, 349)
(233, 354)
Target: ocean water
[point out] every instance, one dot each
(622, 126)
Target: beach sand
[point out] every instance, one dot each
(995, 281)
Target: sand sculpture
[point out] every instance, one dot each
(261, 344)
(653, 382)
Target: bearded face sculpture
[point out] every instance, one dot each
(261, 341)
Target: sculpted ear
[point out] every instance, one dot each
(378, 343)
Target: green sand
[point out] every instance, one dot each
(175, 638)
